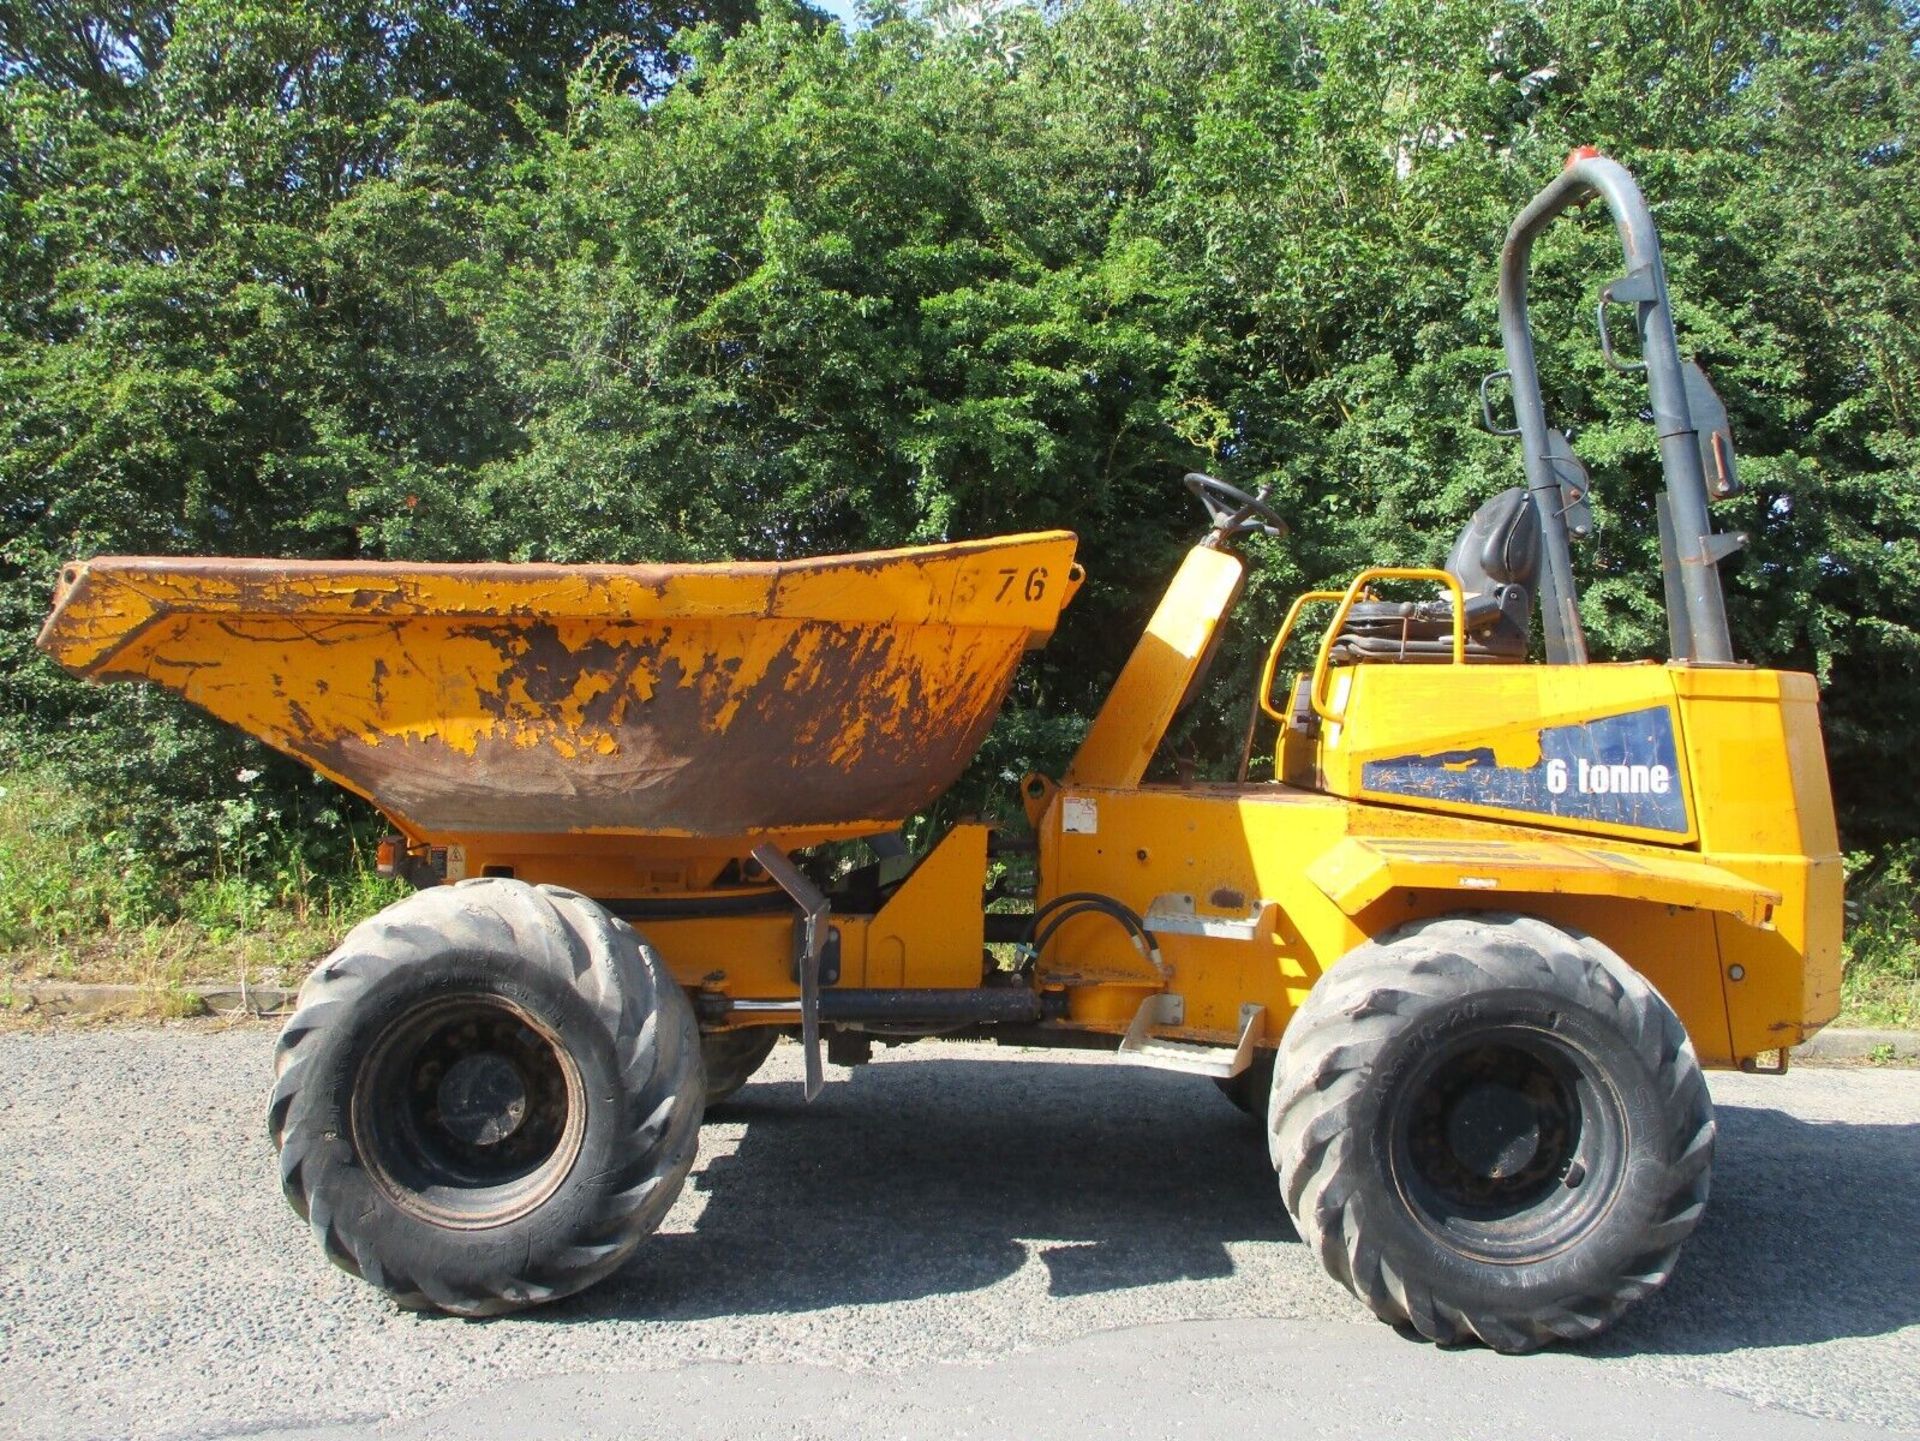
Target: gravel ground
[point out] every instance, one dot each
(950, 1203)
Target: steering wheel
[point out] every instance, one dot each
(1233, 511)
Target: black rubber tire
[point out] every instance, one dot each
(731, 1058)
(1356, 1100)
(614, 1025)
(1251, 1089)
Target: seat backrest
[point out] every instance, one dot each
(1499, 546)
(1497, 561)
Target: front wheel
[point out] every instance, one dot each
(1491, 1129)
(487, 1097)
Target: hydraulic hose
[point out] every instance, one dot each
(1049, 918)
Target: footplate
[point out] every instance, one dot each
(1141, 1048)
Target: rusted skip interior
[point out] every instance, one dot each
(830, 696)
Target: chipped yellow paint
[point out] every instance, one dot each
(1392, 710)
(797, 700)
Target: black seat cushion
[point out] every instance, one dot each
(1497, 561)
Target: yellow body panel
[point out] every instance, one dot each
(1678, 814)
(1356, 873)
(1748, 793)
(1233, 854)
(1754, 747)
(1428, 736)
(1128, 729)
(929, 934)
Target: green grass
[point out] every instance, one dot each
(80, 906)
(1881, 984)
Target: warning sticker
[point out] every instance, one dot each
(1079, 815)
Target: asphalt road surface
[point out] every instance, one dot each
(953, 1242)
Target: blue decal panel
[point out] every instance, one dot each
(1619, 770)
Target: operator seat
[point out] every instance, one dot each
(1497, 561)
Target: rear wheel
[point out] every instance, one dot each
(731, 1058)
(1491, 1129)
(487, 1097)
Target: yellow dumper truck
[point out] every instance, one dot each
(1468, 953)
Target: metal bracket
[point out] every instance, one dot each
(1176, 914)
(1140, 1047)
(1709, 416)
(829, 953)
(1575, 483)
(1722, 544)
(1716, 546)
(1636, 288)
(809, 939)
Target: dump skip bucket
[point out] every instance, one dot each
(792, 701)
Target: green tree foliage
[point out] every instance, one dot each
(221, 224)
(430, 281)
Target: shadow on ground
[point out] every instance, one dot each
(942, 1176)
(1812, 1233)
(909, 1180)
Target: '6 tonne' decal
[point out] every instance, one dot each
(1620, 769)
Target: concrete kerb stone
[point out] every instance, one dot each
(1862, 1045)
(100, 1001)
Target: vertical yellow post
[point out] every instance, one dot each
(1130, 726)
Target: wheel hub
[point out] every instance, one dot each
(1494, 1141)
(468, 1111)
(1493, 1131)
(482, 1098)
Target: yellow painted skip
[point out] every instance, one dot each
(816, 697)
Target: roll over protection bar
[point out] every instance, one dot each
(1692, 550)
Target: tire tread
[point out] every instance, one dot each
(656, 1053)
(1336, 1036)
